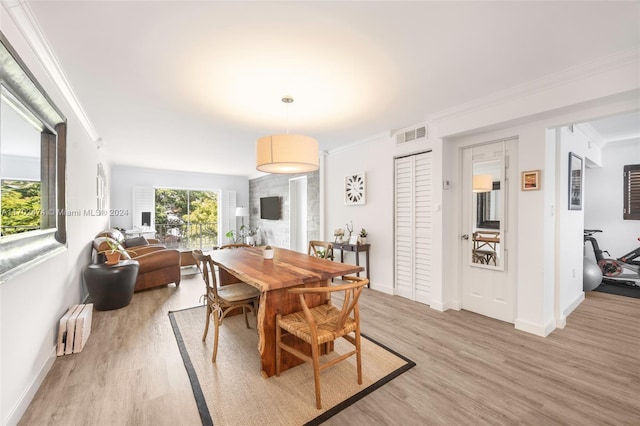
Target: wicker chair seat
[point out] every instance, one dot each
(325, 317)
(237, 292)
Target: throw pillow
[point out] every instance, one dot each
(136, 242)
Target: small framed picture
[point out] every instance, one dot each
(531, 180)
(575, 182)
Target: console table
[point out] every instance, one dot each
(357, 249)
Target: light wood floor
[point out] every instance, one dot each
(470, 369)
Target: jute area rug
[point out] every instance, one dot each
(233, 392)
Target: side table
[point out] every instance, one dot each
(111, 286)
(357, 249)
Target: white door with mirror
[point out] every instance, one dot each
(488, 194)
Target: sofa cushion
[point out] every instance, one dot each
(135, 242)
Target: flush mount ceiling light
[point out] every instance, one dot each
(482, 183)
(287, 153)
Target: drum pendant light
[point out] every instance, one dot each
(287, 153)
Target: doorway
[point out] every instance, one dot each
(488, 205)
(298, 214)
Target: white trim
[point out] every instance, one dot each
(571, 307)
(533, 328)
(436, 306)
(598, 66)
(21, 13)
(18, 410)
(452, 304)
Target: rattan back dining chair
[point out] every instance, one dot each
(323, 324)
(224, 299)
(321, 249)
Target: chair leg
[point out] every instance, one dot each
(206, 324)
(358, 357)
(216, 323)
(316, 373)
(278, 350)
(246, 320)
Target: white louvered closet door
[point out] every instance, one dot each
(413, 227)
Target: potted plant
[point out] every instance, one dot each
(267, 253)
(113, 254)
(362, 238)
(250, 237)
(231, 235)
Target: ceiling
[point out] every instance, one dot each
(191, 85)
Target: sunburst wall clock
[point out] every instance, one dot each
(355, 189)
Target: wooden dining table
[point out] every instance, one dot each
(274, 278)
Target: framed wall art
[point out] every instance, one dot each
(575, 182)
(531, 180)
(101, 188)
(355, 189)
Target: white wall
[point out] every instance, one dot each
(604, 199)
(32, 303)
(376, 216)
(123, 179)
(569, 241)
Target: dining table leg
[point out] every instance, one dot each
(282, 302)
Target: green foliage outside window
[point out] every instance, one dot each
(20, 206)
(194, 213)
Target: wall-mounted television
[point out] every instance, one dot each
(270, 208)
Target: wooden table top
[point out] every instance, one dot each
(287, 268)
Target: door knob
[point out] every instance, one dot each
(465, 237)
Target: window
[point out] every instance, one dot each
(631, 192)
(186, 218)
(32, 169)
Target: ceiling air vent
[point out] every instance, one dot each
(411, 135)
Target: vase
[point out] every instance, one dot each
(362, 240)
(267, 253)
(113, 257)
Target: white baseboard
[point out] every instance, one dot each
(573, 305)
(25, 399)
(438, 306)
(455, 305)
(561, 321)
(533, 328)
(386, 290)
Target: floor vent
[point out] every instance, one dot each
(411, 135)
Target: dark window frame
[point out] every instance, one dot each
(631, 191)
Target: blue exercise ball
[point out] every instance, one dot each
(591, 275)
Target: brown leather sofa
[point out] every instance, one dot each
(158, 265)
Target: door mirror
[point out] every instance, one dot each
(488, 210)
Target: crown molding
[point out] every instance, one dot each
(592, 134)
(22, 15)
(351, 145)
(601, 65)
